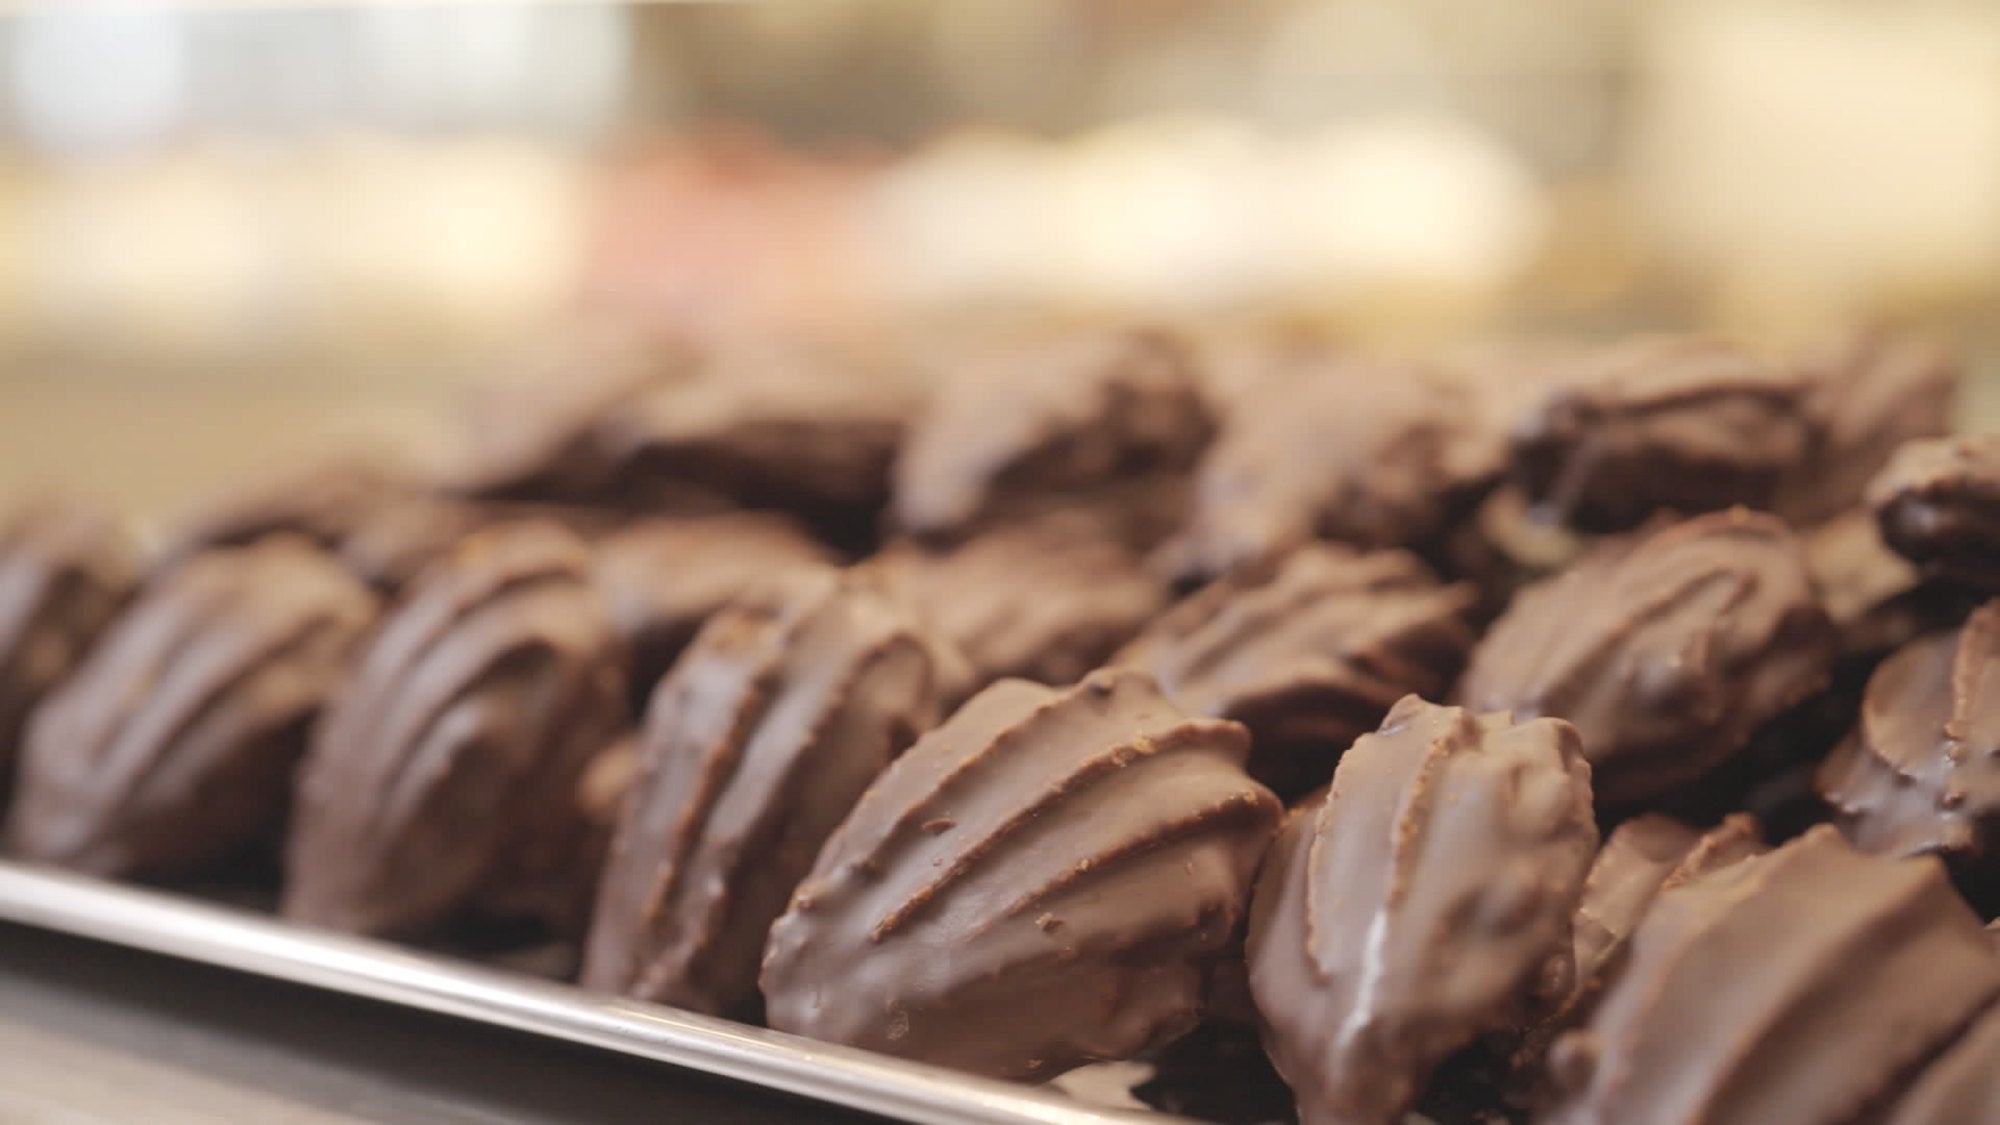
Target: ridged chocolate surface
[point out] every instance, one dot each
(1045, 600)
(1041, 881)
(1865, 396)
(1938, 502)
(1072, 415)
(1424, 902)
(65, 570)
(1921, 772)
(1959, 1087)
(1663, 422)
(173, 745)
(1668, 649)
(1309, 651)
(455, 751)
(663, 577)
(1373, 453)
(755, 747)
(1797, 986)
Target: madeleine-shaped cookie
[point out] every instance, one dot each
(1043, 880)
(1668, 649)
(454, 752)
(173, 745)
(1309, 651)
(65, 571)
(756, 745)
(1025, 429)
(1423, 902)
(1799, 986)
(1663, 422)
(1938, 503)
(1046, 599)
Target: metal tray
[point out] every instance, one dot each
(240, 940)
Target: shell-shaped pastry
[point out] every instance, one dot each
(1424, 901)
(1043, 880)
(1938, 503)
(1798, 986)
(173, 745)
(1668, 649)
(1309, 651)
(454, 753)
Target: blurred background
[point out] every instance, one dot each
(230, 231)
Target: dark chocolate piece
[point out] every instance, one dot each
(1041, 881)
(759, 741)
(663, 577)
(1663, 422)
(65, 571)
(1025, 429)
(454, 753)
(1309, 651)
(1866, 396)
(1045, 600)
(1424, 902)
(1378, 454)
(1668, 649)
(1798, 986)
(1938, 502)
(173, 745)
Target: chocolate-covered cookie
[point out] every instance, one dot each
(1663, 422)
(1938, 503)
(1668, 649)
(173, 745)
(1046, 599)
(1376, 453)
(323, 501)
(756, 745)
(1798, 986)
(65, 570)
(1960, 1085)
(1877, 600)
(1866, 396)
(663, 577)
(1061, 422)
(1425, 901)
(1041, 881)
(1309, 651)
(454, 753)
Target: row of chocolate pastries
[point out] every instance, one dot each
(429, 786)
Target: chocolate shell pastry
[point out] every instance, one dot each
(1042, 881)
(1114, 417)
(1375, 453)
(1668, 649)
(1800, 986)
(65, 571)
(1866, 396)
(1309, 651)
(663, 577)
(173, 746)
(784, 709)
(1663, 422)
(1424, 902)
(454, 753)
(1045, 600)
(1938, 503)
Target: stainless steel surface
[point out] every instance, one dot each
(196, 931)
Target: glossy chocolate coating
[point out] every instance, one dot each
(1045, 600)
(65, 571)
(1921, 772)
(1938, 502)
(1961, 1085)
(1866, 396)
(1424, 902)
(1309, 651)
(1374, 453)
(173, 745)
(755, 747)
(1668, 649)
(1041, 881)
(1797, 986)
(663, 577)
(1663, 422)
(454, 753)
(1006, 433)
